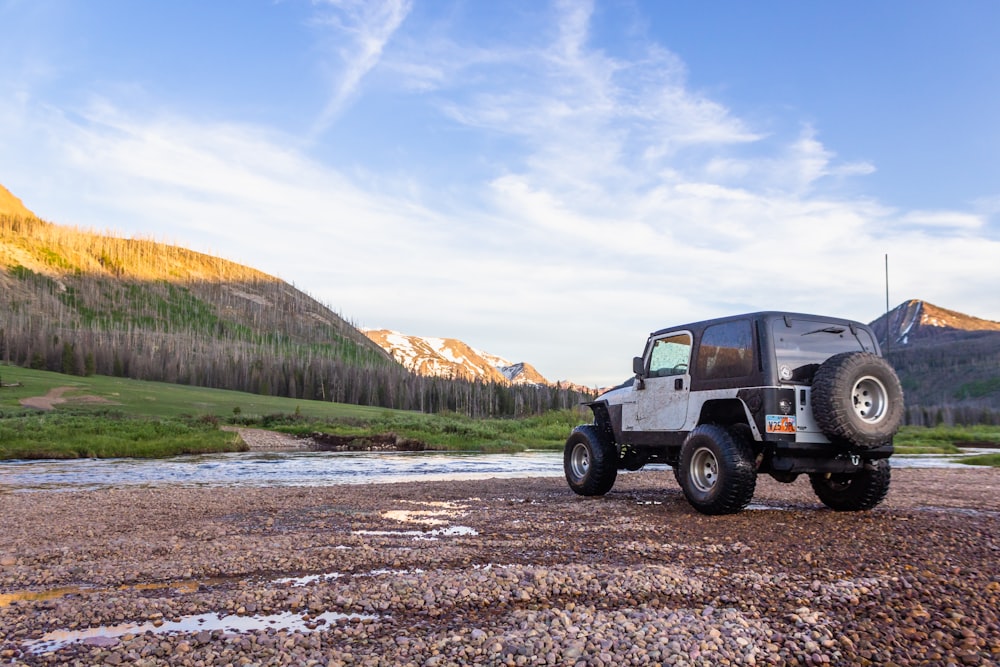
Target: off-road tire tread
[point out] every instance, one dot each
(603, 469)
(868, 488)
(832, 399)
(737, 474)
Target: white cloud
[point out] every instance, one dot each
(951, 221)
(620, 200)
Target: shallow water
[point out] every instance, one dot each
(298, 468)
(229, 624)
(294, 468)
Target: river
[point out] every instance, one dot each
(292, 468)
(301, 468)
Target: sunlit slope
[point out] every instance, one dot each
(81, 302)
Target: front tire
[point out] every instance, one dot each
(716, 470)
(853, 492)
(590, 463)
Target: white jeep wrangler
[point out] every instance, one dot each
(726, 399)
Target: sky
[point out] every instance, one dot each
(548, 181)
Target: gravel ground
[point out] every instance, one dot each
(502, 572)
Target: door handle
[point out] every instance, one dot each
(679, 384)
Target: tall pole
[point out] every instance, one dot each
(887, 318)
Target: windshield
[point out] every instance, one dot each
(802, 345)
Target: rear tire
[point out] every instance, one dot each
(716, 470)
(853, 492)
(590, 463)
(857, 397)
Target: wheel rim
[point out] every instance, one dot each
(704, 470)
(870, 399)
(579, 460)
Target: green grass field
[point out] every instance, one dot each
(158, 399)
(944, 439)
(68, 435)
(106, 417)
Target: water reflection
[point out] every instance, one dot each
(107, 635)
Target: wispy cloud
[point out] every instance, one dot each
(356, 34)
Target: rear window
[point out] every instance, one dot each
(802, 345)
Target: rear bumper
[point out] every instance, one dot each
(804, 457)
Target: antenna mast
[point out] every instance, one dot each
(887, 318)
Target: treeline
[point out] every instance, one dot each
(295, 373)
(951, 415)
(142, 310)
(951, 380)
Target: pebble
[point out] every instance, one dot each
(552, 579)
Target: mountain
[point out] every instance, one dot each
(916, 320)
(451, 358)
(948, 363)
(82, 303)
(76, 301)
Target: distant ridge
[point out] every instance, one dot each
(452, 358)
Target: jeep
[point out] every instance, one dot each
(724, 400)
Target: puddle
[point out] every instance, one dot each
(7, 599)
(427, 517)
(450, 531)
(434, 517)
(398, 573)
(186, 586)
(297, 582)
(765, 507)
(232, 624)
(108, 635)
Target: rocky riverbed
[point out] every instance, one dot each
(502, 572)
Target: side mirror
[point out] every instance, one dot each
(637, 368)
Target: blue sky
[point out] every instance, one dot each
(548, 181)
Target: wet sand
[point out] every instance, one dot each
(498, 572)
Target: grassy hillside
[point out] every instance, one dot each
(159, 400)
(83, 303)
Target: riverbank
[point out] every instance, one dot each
(514, 571)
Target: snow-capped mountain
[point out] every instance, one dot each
(451, 358)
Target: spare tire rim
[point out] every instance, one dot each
(579, 460)
(870, 399)
(704, 469)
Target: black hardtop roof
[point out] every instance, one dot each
(765, 315)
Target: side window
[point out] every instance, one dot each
(670, 356)
(726, 351)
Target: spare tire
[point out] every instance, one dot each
(857, 398)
